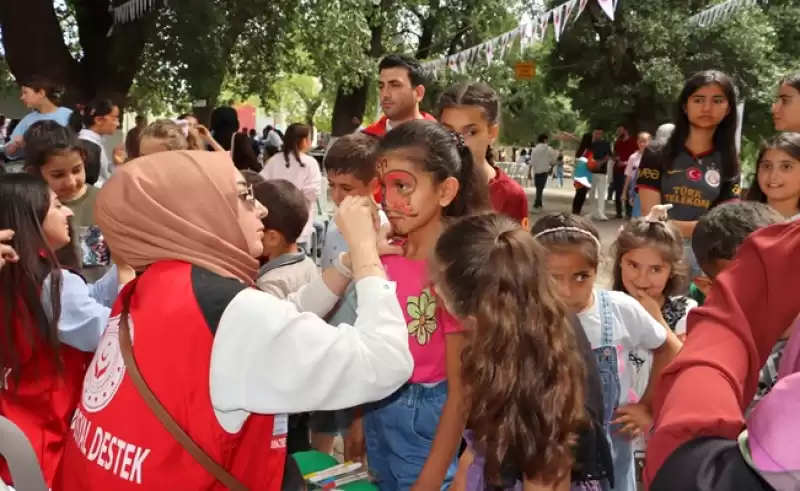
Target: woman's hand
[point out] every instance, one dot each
(385, 245)
(354, 220)
(7, 253)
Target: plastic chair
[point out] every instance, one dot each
(22, 462)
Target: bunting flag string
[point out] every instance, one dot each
(528, 33)
(134, 9)
(535, 30)
(719, 12)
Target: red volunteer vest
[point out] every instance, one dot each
(41, 398)
(118, 444)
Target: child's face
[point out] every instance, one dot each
(644, 270)
(343, 185)
(779, 175)
(65, 174)
(786, 110)
(574, 276)
(411, 199)
(55, 225)
(470, 121)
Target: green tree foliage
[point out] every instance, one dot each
(631, 70)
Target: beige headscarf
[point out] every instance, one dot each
(176, 205)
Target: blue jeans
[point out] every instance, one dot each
(399, 435)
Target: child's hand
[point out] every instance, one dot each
(118, 156)
(7, 253)
(649, 303)
(634, 419)
(355, 449)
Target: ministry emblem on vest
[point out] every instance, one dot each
(107, 369)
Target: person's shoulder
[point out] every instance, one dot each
(624, 303)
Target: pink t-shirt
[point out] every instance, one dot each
(427, 322)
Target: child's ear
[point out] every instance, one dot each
(494, 130)
(374, 185)
(448, 190)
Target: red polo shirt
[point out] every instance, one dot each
(507, 196)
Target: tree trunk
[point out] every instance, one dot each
(349, 105)
(34, 45)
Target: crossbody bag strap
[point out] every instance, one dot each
(160, 412)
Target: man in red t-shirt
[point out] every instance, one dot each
(401, 90)
(624, 147)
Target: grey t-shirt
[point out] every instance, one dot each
(693, 184)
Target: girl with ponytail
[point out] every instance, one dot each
(428, 177)
(474, 111)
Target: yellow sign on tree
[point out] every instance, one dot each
(525, 70)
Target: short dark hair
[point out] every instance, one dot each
(415, 72)
(46, 139)
(542, 138)
(52, 90)
(252, 177)
(287, 207)
(720, 232)
(353, 154)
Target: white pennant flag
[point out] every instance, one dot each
(504, 42)
(489, 52)
(568, 8)
(608, 8)
(558, 19)
(526, 37)
(543, 20)
(451, 63)
(581, 7)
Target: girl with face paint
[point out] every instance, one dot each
(428, 176)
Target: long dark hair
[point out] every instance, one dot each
(295, 134)
(24, 204)
(493, 275)
(83, 117)
(724, 140)
(52, 90)
(476, 94)
(788, 143)
(224, 124)
(443, 154)
(583, 146)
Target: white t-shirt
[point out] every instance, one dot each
(633, 328)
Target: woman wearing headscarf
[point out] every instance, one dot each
(702, 395)
(224, 361)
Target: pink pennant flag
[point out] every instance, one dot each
(608, 8)
(558, 18)
(581, 8)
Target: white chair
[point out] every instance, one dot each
(22, 462)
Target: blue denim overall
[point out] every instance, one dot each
(608, 363)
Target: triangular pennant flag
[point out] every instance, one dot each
(608, 8)
(451, 63)
(558, 18)
(489, 52)
(526, 37)
(568, 8)
(581, 7)
(543, 20)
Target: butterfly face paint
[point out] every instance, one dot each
(398, 186)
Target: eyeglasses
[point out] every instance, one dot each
(247, 196)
